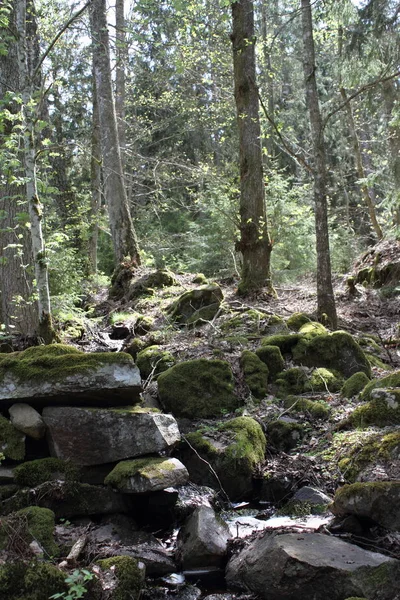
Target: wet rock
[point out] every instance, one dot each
(28, 420)
(146, 475)
(377, 500)
(58, 374)
(94, 436)
(293, 566)
(182, 592)
(202, 541)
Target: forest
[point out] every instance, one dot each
(199, 299)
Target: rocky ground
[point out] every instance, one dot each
(275, 422)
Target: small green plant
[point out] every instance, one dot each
(75, 583)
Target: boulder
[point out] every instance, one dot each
(203, 539)
(234, 450)
(12, 442)
(121, 577)
(374, 457)
(375, 500)
(272, 357)
(312, 565)
(60, 374)
(95, 436)
(28, 420)
(383, 409)
(153, 360)
(354, 384)
(147, 475)
(285, 434)
(198, 388)
(35, 472)
(391, 381)
(255, 373)
(191, 301)
(311, 495)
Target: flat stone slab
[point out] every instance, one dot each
(312, 565)
(145, 475)
(96, 436)
(60, 374)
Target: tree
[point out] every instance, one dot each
(254, 243)
(122, 230)
(325, 297)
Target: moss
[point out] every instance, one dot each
(147, 468)
(354, 384)
(40, 527)
(272, 357)
(390, 381)
(285, 342)
(202, 445)
(299, 509)
(284, 435)
(30, 581)
(135, 347)
(297, 320)
(255, 373)
(204, 314)
(153, 361)
(312, 329)
(129, 576)
(200, 279)
(323, 380)
(248, 320)
(35, 472)
(12, 442)
(382, 410)
(248, 447)
(11, 580)
(8, 490)
(376, 449)
(315, 409)
(184, 307)
(198, 388)
(374, 361)
(143, 325)
(292, 381)
(54, 362)
(366, 490)
(336, 351)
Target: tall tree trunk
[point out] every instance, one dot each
(268, 78)
(360, 167)
(325, 296)
(18, 311)
(26, 62)
(95, 182)
(122, 231)
(254, 243)
(121, 56)
(390, 95)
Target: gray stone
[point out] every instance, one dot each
(95, 436)
(6, 475)
(312, 565)
(28, 420)
(146, 475)
(312, 496)
(202, 541)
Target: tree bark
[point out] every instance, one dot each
(26, 64)
(18, 309)
(122, 231)
(390, 95)
(121, 55)
(360, 167)
(254, 243)
(95, 183)
(325, 296)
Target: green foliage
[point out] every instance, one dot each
(76, 585)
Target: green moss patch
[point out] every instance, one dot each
(30, 581)
(12, 442)
(292, 381)
(314, 409)
(54, 362)
(128, 574)
(28, 524)
(297, 320)
(198, 388)
(323, 380)
(376, 449)
(272, 357)
(145, 467)
(255, 373)
(390, 381)
(354, 384)
(284, 435)
(285, 342)
(153, 361)
(36, 472)
(382, 410)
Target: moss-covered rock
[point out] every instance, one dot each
(135, 346)
(354, 384)
(336, 351)
(146, 475)
(143, 324)
(378, 453)
(144, 286)
(198, 388)
(323, 380)
(390, 381)
(382, 410)
(284, 435)
(29, 524)
(127, 575)
(297, 320)
(314, 409)
(311, 329)
(204, 314)
(36, 472)
(272, 357)
(7, 490)
(189, 302)
(153, 361)
(255, 373)
(12, 442)
(292, 381)
(376, 500)
(200, 279)
(284, 342)
(234, 449)
(30, 581)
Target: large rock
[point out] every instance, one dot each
(198, 388)
(145, 475)
(312, 565)
(28, 420)
(376, 500)
(202, 541)
(192, 301)
(95, 436)
(60, 374)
